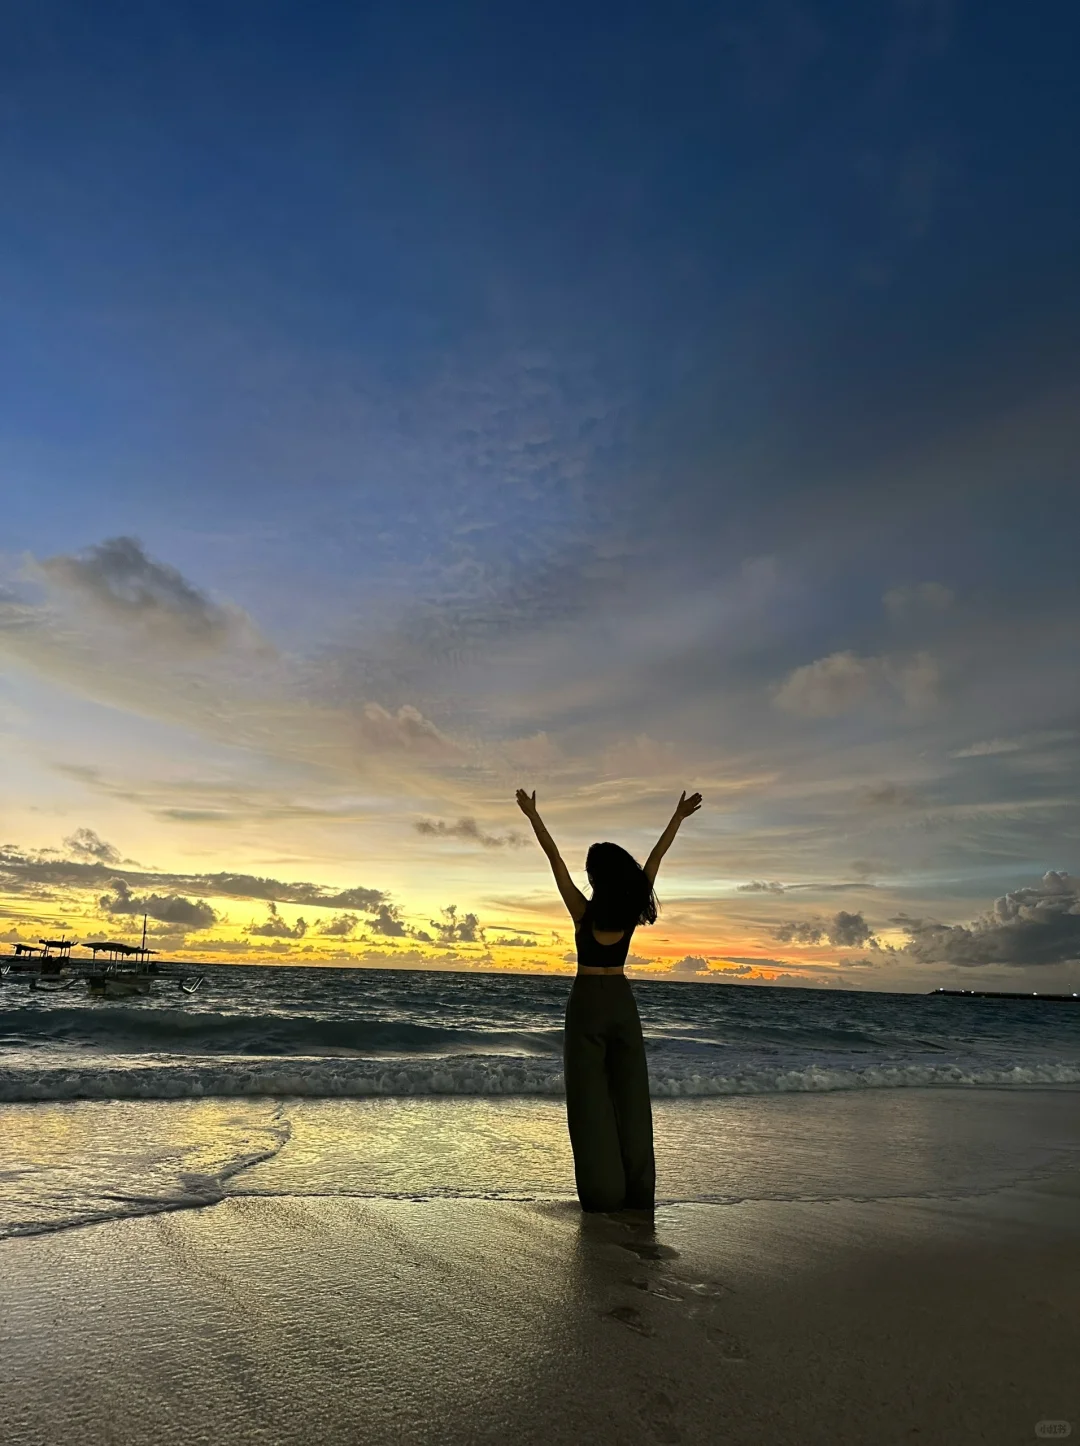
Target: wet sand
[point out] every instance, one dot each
(327, 1320)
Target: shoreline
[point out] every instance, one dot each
(71, 1162)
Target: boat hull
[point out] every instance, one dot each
(113, 987)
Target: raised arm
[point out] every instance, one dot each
(683, 809)
(573, 898)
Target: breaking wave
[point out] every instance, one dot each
(29, 1078)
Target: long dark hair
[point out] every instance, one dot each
(622, 893)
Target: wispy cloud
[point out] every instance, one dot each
(917, 600)
(993, 747)
(119, 627)
(844, 681)
(84, 843)
(468, 828)
(407, 730)
(119, 581)
(889, 795)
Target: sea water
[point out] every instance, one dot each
(333, 1033)
(324, 1081)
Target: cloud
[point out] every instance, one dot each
(761, 886)
(86, 844)
(387, 922)
(850, 930)
(535, 753)
(842, 682)
(128, 631)
(341, 926)
(407, 731)
(220, 946)
(844, 930)
(916, 680)
(23, 869)
(1025, 928)
(866, 868)
(454, 930)
(168, 908)
(747, 963)
(889, 795)
(917, 599)
(829, 686)
(118, 580)
(469, 828)
(991, 747)
(690, 966)
(639, 757)
(276, 927)
(250, 886)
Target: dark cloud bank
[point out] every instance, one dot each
(1028, 927)
(23, 870)
(180, 899)
(166, 908)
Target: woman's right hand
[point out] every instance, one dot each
(686, 806)
(527, 804)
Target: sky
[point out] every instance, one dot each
(402, 405)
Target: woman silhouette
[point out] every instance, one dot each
(607, 1079)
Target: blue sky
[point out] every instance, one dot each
(609, 399)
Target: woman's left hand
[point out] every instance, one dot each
(686, 806)
(527, 804)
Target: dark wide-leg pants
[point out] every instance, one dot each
(607, 1095)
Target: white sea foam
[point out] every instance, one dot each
(28, 1078)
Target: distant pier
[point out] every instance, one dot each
(1007, 994)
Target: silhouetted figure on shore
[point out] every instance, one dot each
(608, 1111)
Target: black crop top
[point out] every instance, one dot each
(595, 955)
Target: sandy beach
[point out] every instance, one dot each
(951, 1317)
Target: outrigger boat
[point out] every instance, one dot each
(129, 971)
(115, 983)
(111, 981)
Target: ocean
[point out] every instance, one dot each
(322, 1082)
(347, 1033)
